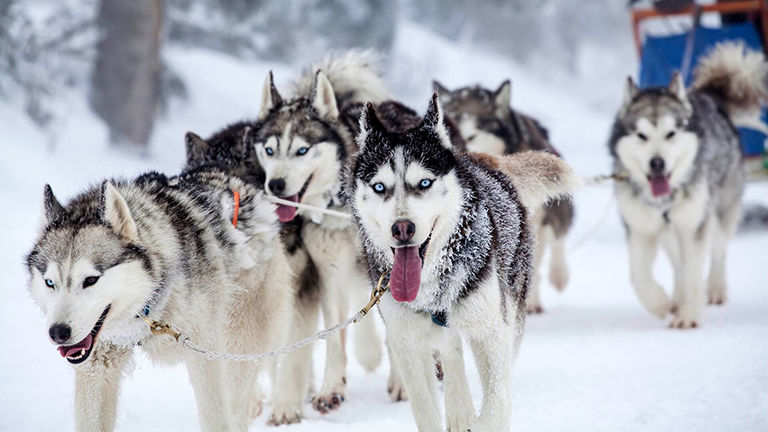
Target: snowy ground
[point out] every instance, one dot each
(594, 361)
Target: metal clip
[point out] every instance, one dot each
(376, 295)
(158, 328)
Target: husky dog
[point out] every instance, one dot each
(182, 250)
(451, 230)
(230, 151)
(686, 176)
(489, 125)
(302, 143)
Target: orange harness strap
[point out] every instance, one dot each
(236, 211)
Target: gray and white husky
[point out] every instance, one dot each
(182, 250)
(302, 143)
(686, 176)
(490, 125)
(451, 230)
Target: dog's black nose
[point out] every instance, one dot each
(277, 186)
(60, 333)
(657, 165)
(403, 230)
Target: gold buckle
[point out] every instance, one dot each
(158, 328)
(376, 295)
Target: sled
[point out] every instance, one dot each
(661, 56)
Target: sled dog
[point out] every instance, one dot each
(686, 176)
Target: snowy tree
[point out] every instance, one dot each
(127, 70)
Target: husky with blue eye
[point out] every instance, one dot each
(686, 176)
(489, 125)
(451, 230)
(200, 251)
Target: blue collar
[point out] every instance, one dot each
(440, 318)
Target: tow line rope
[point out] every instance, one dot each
(184, 341)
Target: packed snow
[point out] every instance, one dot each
(595, 360)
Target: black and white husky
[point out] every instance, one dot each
(686, 176)
(490, 125)
(451, 230)
(185, 250)
(302, 144)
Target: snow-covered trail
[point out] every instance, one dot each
(594, 361)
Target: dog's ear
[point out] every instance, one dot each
(115, 212)
(323, 97)
(195, 146)
(441, 90)
(503, 96)
(369, 121)
(52, 209)
(630, 91)
(677, 87)
(270, 98)
(434, 120)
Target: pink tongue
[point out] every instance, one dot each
(659, 185)
(286, 213)
(67, 351)
(406, 274)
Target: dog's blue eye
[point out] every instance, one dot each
(90, 280)
(302, 151)
(269, 151)
(425, 183)
(379, 188)
(49, 283)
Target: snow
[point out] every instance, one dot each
(595, 360)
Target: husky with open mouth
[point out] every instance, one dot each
(451, 230)
(490, 125)
(302, 143)
(686, 176)
(200, 251)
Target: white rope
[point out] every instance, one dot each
(327, 211)
(185, 342)
(593, 230)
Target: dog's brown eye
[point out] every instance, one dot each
(90, 280)
(670, 134)
(642, 136)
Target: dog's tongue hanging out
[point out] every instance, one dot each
(286, 213)
(406, 274)
(659, 185)
(71, 350)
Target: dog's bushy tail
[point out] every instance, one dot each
(354, 74)
(736, 74)
(538, 177)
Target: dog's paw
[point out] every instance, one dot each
(327, 402)
(284, 416)
(255, 409)
(396, 389)
(716, 294)
(686, 318)
(558, 277)
(659, 304)
(535, 309)
(459, 418)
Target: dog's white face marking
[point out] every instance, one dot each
(675, 146)
(477, 139)
(124, 287)
(433, 209)
(291, 158)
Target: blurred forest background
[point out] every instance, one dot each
(113, 50)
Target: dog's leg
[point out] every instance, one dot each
(408, 334)
(459, 411)
(642, 252)
(292, 382)
(395, 386)
(367, 344)
(97, 386)
(534, 298)
(333, 390)
(694, 242)
(722, 231)
(208, 380)
(558, 268)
